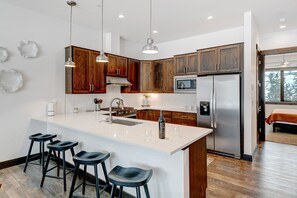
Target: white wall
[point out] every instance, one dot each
(250, 118)
(191, 44)
(43, 76)
(280, 39)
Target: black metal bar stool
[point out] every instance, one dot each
(129, 177)
(92, 159)
(41, 138)
(59, 146)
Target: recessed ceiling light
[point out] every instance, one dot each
(210, 17)
(121, 16)
(282, 26)
(155, 31)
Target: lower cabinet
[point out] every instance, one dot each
(182, 118)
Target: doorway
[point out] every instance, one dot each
(277, 95)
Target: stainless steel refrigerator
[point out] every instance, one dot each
(218, 107)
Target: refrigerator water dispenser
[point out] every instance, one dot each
(204, 108)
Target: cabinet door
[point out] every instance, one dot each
(146, 76)
(168, 73)
(207, 60)
(112, 66)
(122, 66)
(192, 66)
(229, 58)
(180, 64)
(97, 74)
(157, 76)
(189, 119)
(133, 74)
(81, 78)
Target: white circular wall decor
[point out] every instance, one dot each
(3, 54)
(10, 80)
(28, 49)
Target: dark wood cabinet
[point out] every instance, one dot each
(87, 76)
(157, 76)
(182, 118)
(189, 119)
(146, 76)
(223, 59)
(133, 76)
(186, 64)
(116, 66)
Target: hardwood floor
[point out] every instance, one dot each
(272, 174)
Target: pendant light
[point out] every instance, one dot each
(70, 63)
(150, 48)
(102, 58)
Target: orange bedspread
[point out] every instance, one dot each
(284, 115)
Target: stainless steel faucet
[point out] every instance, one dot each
(120, 103)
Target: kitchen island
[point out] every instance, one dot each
(178, 161)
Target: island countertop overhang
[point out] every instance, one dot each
(145, 135)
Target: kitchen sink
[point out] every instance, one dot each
(126, 122)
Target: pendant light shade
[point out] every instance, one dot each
(150, 48)
(70, 63)
(102, 58)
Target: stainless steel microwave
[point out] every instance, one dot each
(185, 84)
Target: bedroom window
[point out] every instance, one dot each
(281, 85)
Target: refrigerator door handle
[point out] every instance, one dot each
(214, 111)
(211, 112)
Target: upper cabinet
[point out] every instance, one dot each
(157, 76)
(87, 76)
(133, 76)
(223, 59)
(146, 76)
(116, 66)
(186, 64)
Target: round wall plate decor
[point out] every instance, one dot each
(3, 54)
(28, 49)
(11, 80)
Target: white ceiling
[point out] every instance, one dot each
(173, 19)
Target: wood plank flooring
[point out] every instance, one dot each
(272, 174)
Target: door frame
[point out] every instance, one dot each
(261, 76)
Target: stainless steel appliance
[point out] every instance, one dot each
(127, 112)
(185, 84)
(218, 107)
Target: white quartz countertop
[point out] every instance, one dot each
(187, 109)
(144, 134)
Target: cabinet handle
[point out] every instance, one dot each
(185, 69)
(119, 71)
(90, 87)
(216, 65)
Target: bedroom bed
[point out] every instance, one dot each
(285, 119)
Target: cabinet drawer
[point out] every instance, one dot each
(184, 122)
(184, 116)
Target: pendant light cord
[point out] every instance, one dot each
(102, 28)
(151, 4)
(70, 54)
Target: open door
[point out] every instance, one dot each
(260, 96)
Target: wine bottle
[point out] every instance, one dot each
(161, 126)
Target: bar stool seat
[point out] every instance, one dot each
(89, 158)
(129, 177)
(41, 138)
(59, 146)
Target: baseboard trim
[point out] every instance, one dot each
(248, 158)
(17, 161)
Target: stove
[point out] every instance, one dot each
(127, 112)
